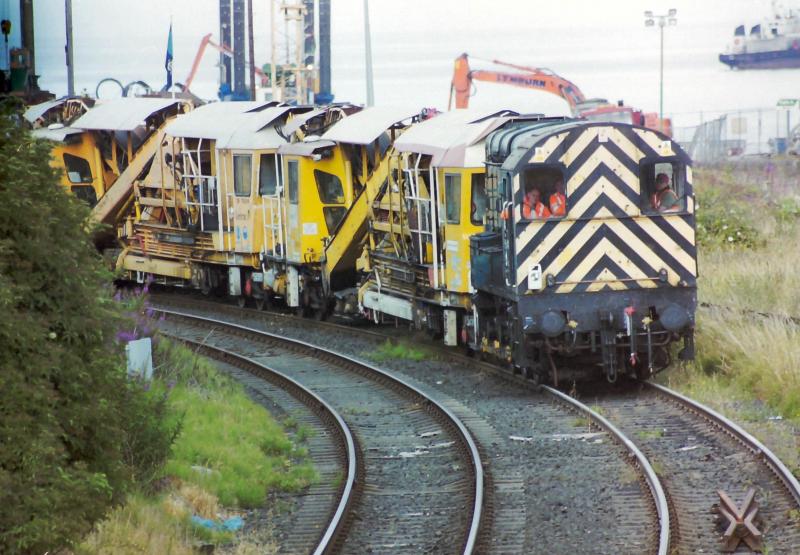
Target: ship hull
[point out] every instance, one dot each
(763, 60)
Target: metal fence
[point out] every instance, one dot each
(719, 136)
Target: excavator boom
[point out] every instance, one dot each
(531, 78)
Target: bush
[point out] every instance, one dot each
(67, 410)
(723, 221)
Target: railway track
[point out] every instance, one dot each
(544, 491)
(699, 453)
(335, 451)
(731, 461)
(422, 479)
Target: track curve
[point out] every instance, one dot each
(466, 444)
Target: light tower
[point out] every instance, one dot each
(663, 20)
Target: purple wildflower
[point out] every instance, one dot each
(126, 336)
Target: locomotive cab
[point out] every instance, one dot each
(607, 285)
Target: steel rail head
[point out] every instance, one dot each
(477, 510)
(337, 520)
(653, 482)
(780, 469)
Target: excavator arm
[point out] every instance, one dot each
(527, 77)
(224, 50)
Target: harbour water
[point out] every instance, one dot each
(603, 47)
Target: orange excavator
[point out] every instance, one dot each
(596, 109)
(527, 78)
(223, 49)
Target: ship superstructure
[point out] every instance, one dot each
(770, 44)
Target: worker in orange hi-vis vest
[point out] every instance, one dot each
(664, 198)
(558, 201)
(533, 207)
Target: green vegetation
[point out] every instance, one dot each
(748, 350)
(77, 435)
(233, 448)
(403, 350)
(650, 434)
(229, 455)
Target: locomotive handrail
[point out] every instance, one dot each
(780, 469)
(653, 482)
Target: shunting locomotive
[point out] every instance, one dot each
(607, 284)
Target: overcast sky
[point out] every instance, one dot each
(601, 45)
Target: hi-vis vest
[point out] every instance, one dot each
(658, 196)
(558, 204)
(540, 210)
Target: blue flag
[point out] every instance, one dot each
(168, 60)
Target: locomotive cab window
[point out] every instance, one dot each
(242, 175)
(663, 187)
(543, 193)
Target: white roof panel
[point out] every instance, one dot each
(38, 110)
(299, 119)
(446, 137)
(57, 134)
(122, 114)
(364, 127)
(211, 121)
(254, 130)
(231, 125)
(304, 148)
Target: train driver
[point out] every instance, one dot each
(664, 198)
(532, 205)
(558, 201)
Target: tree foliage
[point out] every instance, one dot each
(66, 405)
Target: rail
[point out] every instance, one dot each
(317, 404)
(781, 471)
(467, 440)
(657, 491)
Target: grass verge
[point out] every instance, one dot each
(229, 455)
(748, 365)
(390, 350)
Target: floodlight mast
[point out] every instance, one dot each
(669, 18)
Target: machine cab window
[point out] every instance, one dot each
(452, 198)
(663, 187)
(543, 193)
(78, 170)
(330, 191)
(242, 175)
(267, 175)
(292, 181)
(480, 201)
(329, 187)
